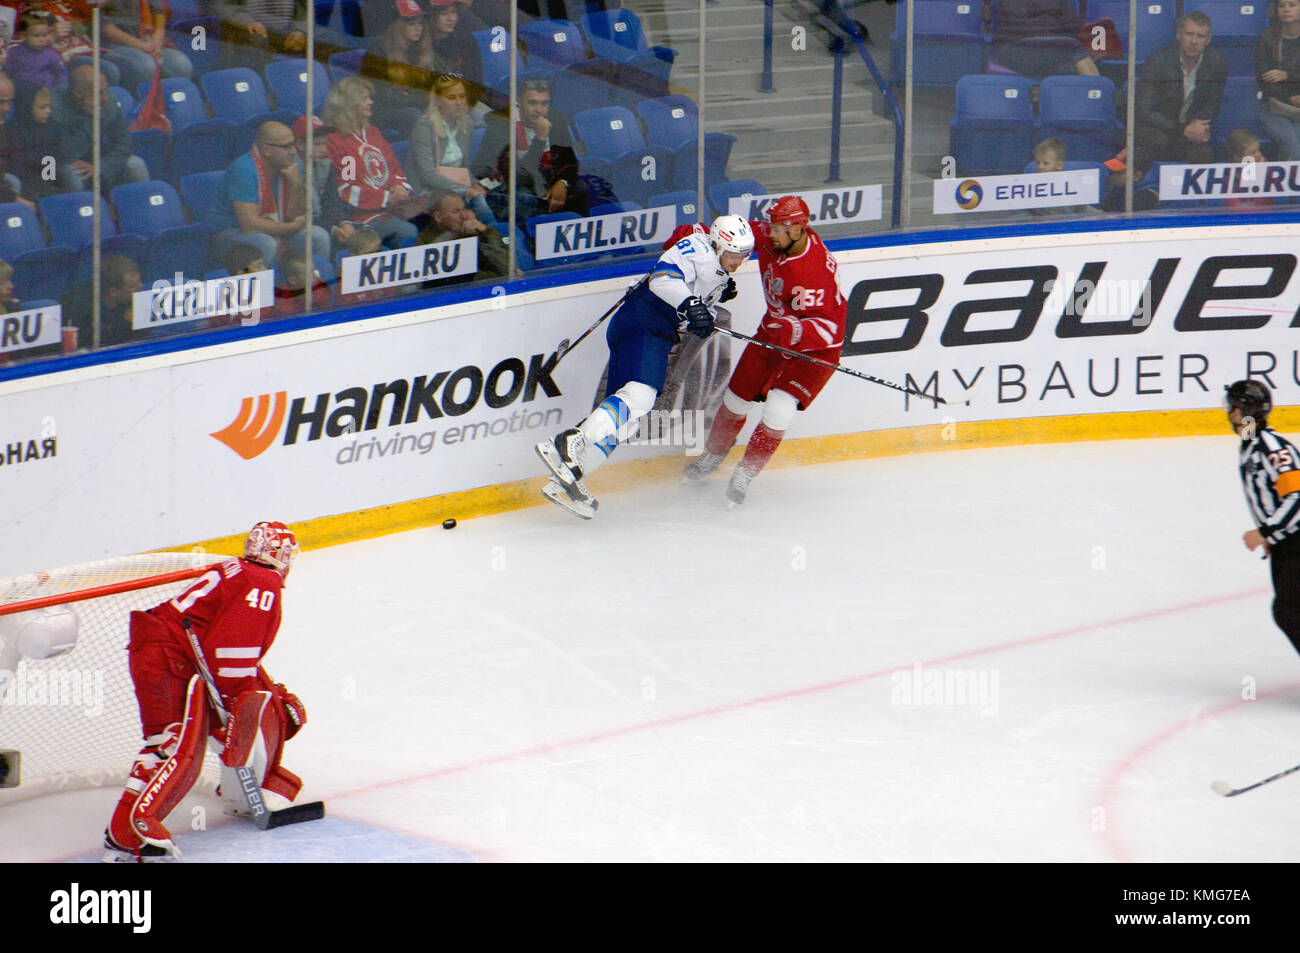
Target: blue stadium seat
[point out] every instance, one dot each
(552, 44)
(346, 63)
(617, 35)
(44, 273)
(20, 231)
(673, 121)
(237, 94)
(203, 147)
(70, 218)
(288, 81)
(1080, 111)
(993, 130)
(151, 145)
(199, 189)
(688, 212)
(181, 30)
(949, 42)
(147, 208)
(721, 194)
(1241, 102)
(182, 100)
(494, 59)
(609, 131)
(124, 100)
(582, 86)
(1155, 28)
(182, 250)
(402, 149)
(1237, 25)
(523, 257)
(126, 246)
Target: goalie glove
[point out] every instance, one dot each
(295, 711)
(729, 291)
(784, 332)
(696, 314)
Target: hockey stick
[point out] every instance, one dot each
(249, 786)
(1227, 790)
(565, 346)
(835, 367)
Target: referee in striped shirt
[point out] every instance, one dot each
(1270, 475)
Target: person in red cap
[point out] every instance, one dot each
(328, 210)
(806, 313)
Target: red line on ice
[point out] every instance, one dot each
(793, 693)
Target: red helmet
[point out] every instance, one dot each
(788, 210)
(272, 544)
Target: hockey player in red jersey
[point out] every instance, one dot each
(805, 312)
(233, 612)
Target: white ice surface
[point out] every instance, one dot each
(676, 681)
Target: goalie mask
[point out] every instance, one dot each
(272, 544)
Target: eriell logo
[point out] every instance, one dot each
(386, 403)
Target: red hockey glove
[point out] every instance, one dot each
(784, 332)
(294, 710)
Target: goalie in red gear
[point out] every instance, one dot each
(233, 610)
(805, 312)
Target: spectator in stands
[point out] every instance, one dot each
(1146, 191)
(485, 14)
(1049, 156)
(1179, 91)
(36, 143)
(291, 288)
(364, 241)
(454, 48)
(451, 220)
(371, 179)
(69, 21)
(8, 303)
(258, 199)
(1041, 38)
(328, 210)
(547, 166)
(1242, 146)
(440, 147)
(73, 109)
(119, 281)
(1277, 66)
(136, 37)
(400, 63)
(10, 184)
(33, 62)
(254, 30)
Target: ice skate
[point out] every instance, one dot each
(738, 487)
(702, 467)
(577, 499)
(144, 854)
(562, 455)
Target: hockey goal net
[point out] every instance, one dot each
(72, 716)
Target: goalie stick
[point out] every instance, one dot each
(835, 367)
(249, 786)
(1227, 790)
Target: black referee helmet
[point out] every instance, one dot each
(1251, 398)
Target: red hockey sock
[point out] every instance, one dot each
(762, 444)
(723, 433)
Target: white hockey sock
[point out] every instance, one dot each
(614, 420)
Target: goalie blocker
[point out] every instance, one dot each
(233, 613)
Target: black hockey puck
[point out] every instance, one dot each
(448, 524)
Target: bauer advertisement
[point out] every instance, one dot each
(360, 415)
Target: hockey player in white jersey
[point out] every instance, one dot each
(690, 277)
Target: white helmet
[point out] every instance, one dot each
(731, 233)
(273, 545)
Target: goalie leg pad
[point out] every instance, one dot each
(174, 778)
(256, 736)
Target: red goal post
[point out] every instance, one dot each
(73, 717)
